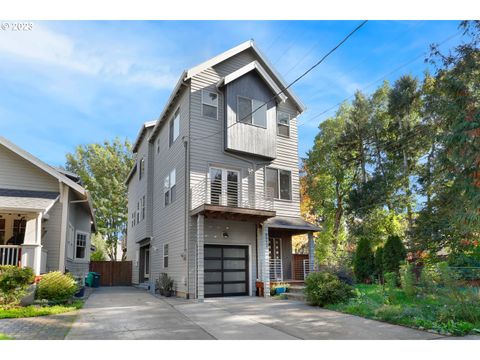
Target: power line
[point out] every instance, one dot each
(292, 83)
(378, 80)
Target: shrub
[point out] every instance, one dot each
(97, 255)
(165, 284)
(407, 279)
(364, 261)
(344, 275)
(390, 285)
(393, 254)
(14, 282)
(378, 263)
(56, 287)
(323, 288)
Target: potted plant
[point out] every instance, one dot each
(280, 288)
(165, 285)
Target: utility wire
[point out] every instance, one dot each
(378, 80)
(291, 84)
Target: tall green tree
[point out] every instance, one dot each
(364, 265)
(103, 169)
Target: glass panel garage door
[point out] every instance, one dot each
(226, 270)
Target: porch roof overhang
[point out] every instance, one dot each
(233, 213)
(295, 224)
(14, 200)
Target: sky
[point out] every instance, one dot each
(67, 83)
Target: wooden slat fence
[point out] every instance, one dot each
(113, 273)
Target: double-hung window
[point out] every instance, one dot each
(280, 183)
(141, 171)
(81, 245)
(210, 104)
(174, 127)
(165, 255)
(251, 111)
(143, 207)
(283, 124)
(170, 189)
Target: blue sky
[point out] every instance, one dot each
(77, 82)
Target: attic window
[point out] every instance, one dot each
(283, 124)
(210, 104)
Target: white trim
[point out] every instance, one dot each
(64, 194)
(70, 241)
(289, 123)
(254, 65)
(87, 242)
(141, 132)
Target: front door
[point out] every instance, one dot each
(146, 262)
(226, 270)
(275, 255)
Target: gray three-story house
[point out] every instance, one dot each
(213, 199)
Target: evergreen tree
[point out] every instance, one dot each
(379, 263)
(393, 254)
(364, 261)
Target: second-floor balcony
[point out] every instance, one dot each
(229, 197)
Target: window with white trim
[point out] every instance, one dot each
(283, 124)
(165, 255)
(143, 207)
(141, 171)
(251, 111)
(174, 127)
(81, 245)
(210, 104)
(280, 182)
(170, 188)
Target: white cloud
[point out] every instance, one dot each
(42, 45)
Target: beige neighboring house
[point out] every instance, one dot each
(46, 216)
(213, 199)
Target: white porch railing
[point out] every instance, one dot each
(276, 270)
(232, 194)
(10, 255)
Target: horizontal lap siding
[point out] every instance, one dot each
(18, 173)
(51, 239)
(169, 221)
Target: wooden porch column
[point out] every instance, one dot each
(263, 258)
(32, 244)
(311, 252)
(200, 257)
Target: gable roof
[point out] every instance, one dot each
(254, 65)
(263, 64)
(141, 134)
(250, 44)
(49, 170)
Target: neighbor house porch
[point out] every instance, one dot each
(21, 215)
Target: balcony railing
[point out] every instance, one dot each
(10, 255)
(231, 194)
(276, 269)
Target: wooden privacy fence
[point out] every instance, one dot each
(113, 273)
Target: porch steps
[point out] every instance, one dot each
(295, 292)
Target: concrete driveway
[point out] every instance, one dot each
(130, 313)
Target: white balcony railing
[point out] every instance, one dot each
(10, 255)
(231, 194)
(306, 268)
(276, 269)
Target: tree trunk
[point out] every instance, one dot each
(338, 216)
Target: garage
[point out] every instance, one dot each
(226, 270)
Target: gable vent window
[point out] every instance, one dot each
(283, 124)
(174, 128)
(251, 111)
(210, 104)
(170, 188)
(141, 171)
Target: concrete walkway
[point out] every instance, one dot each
(129, 313)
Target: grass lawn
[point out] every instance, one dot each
(35, 310)
(5, 337)
(428, 312)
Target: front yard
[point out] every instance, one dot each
(434, 311)
(36, 310)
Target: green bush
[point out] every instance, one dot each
(378, 263)
(407, 279)
(56, 287)
(391, 285)
(364, 261)
(323, 288)
(14, 282)
(393, 254)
